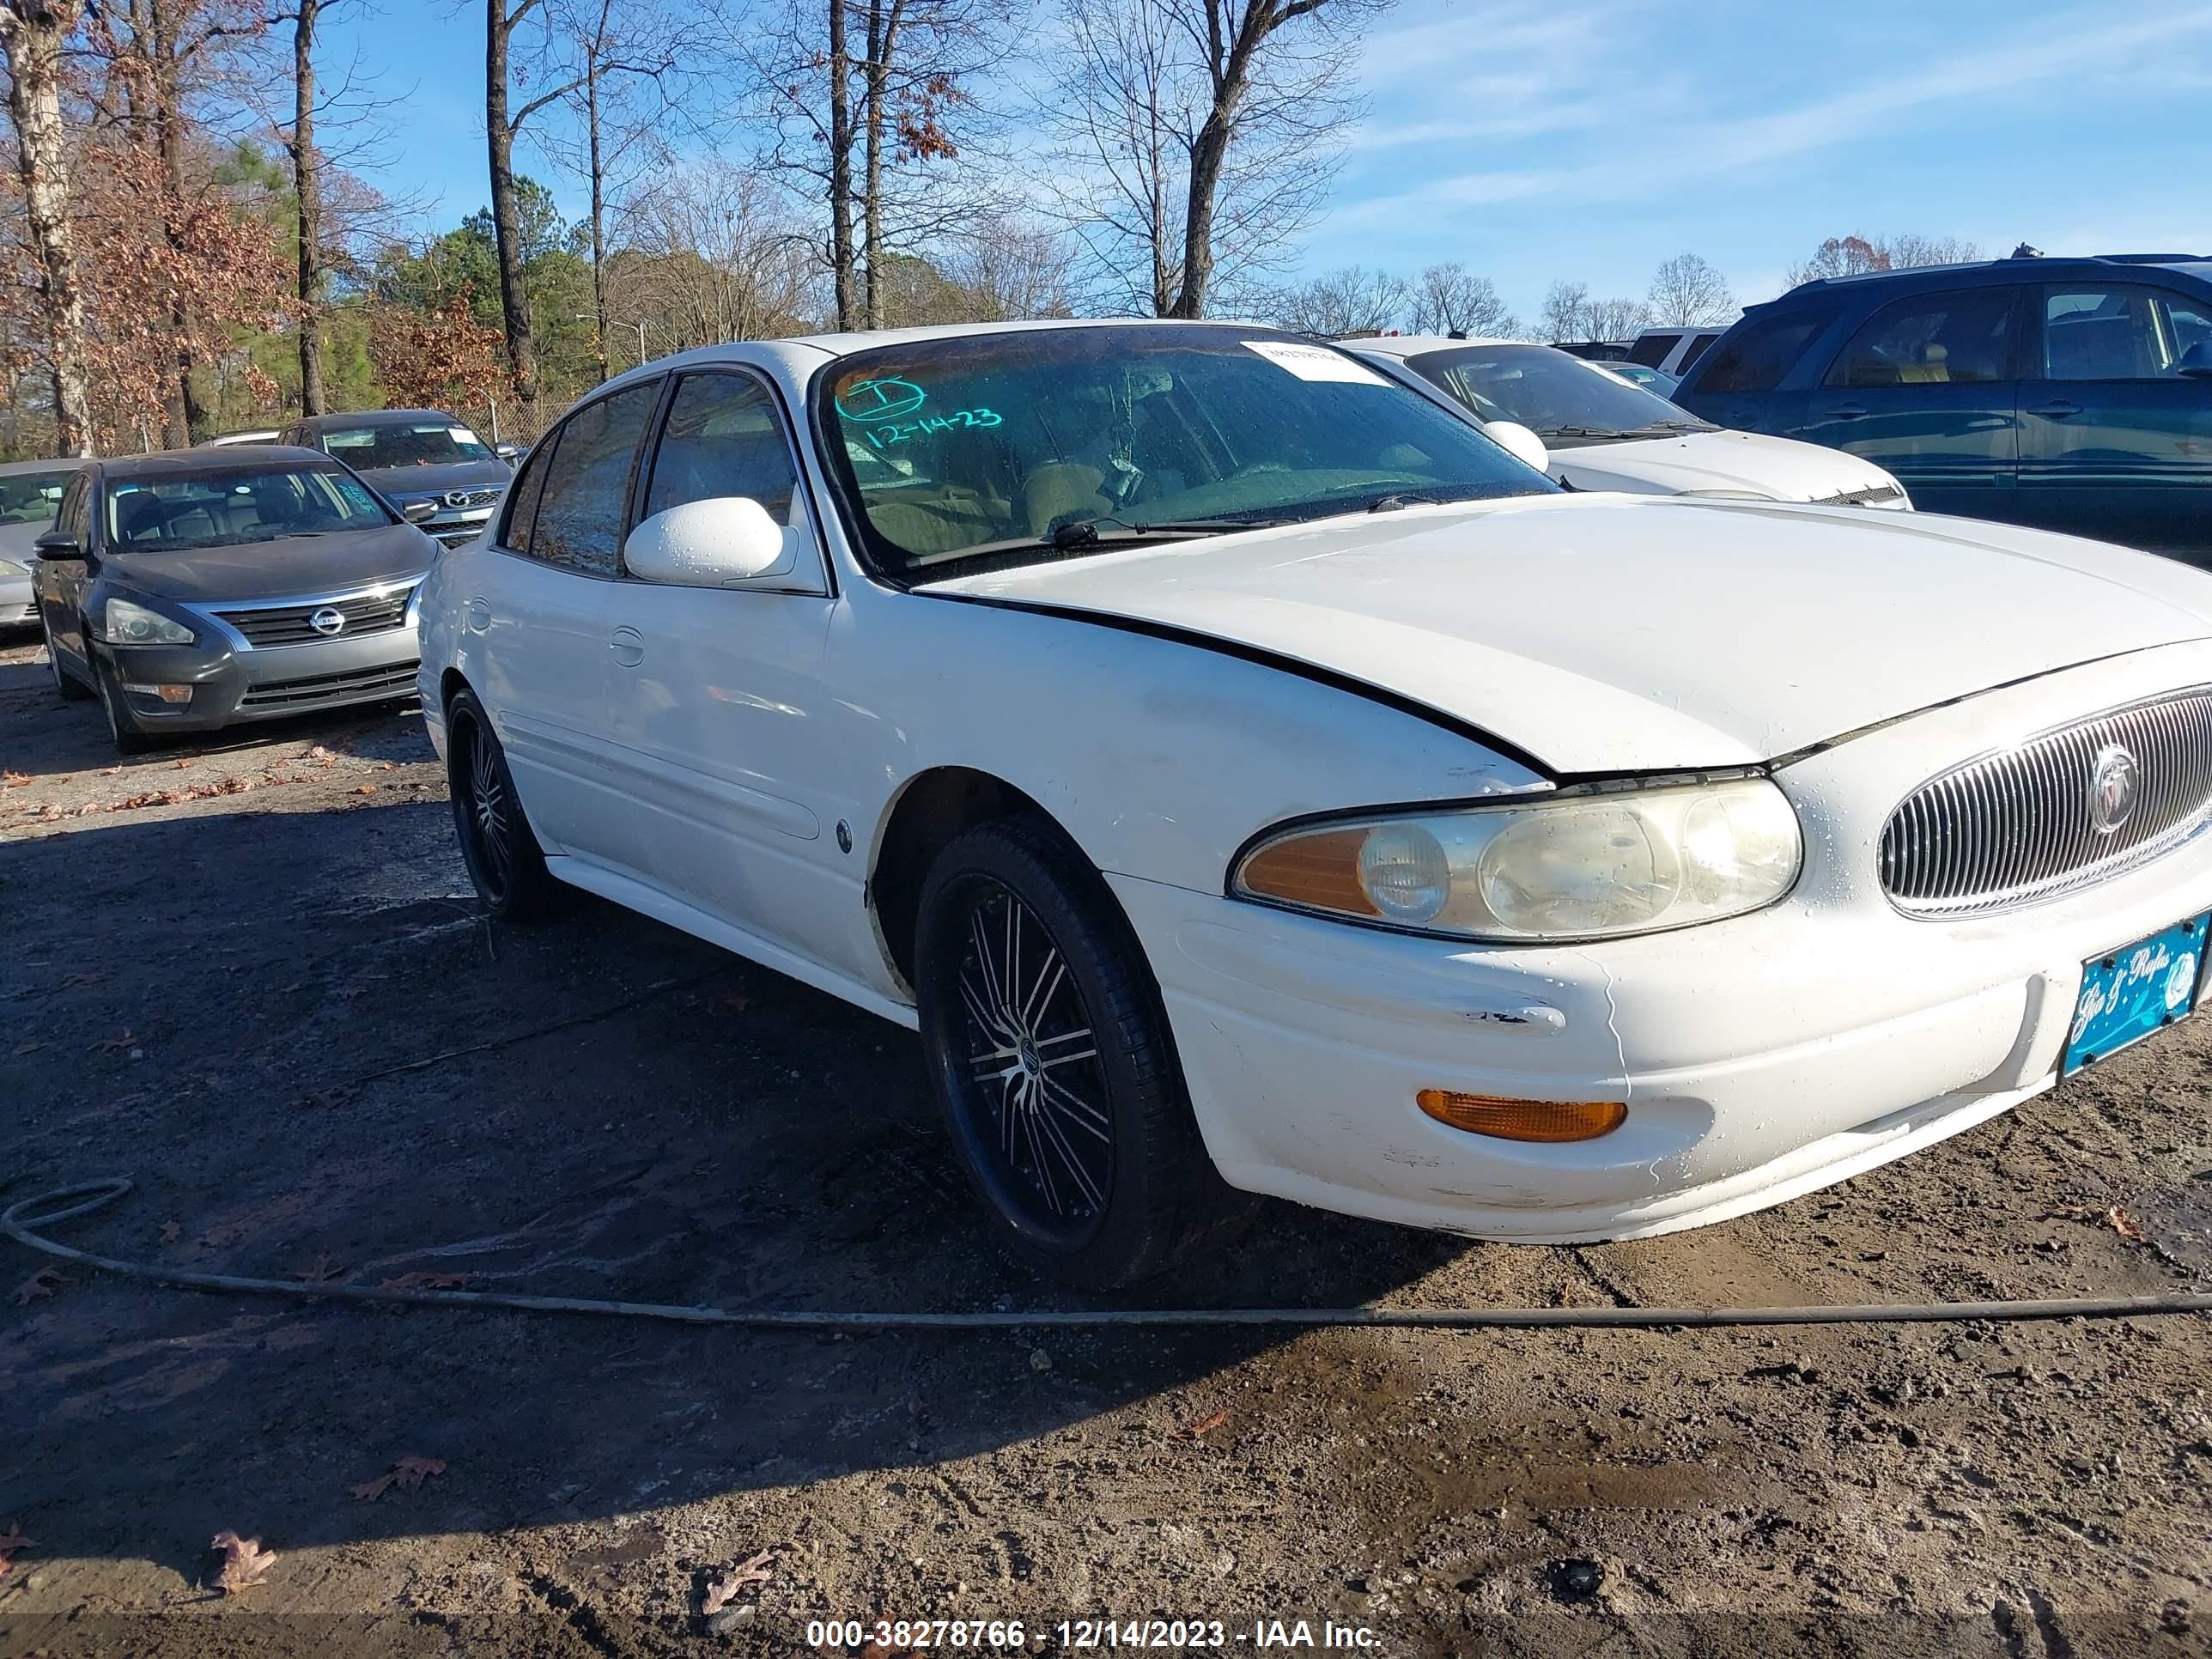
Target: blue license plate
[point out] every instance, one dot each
(2128, 994)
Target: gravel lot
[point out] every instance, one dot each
(220, 958)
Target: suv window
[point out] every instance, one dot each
(1651, 349)
(1698, 347)
(1757, 353)
(723, 436)
(1960, 338)
(579, 515)
(2121, 333)
(522, 495)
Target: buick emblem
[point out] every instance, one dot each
(329, 620)
(2113, 789)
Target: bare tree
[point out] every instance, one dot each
(1616, 319)
(1566, 312)
(503, 122)
(1850, 256)
(1013, 270)
(1197, 137)
(1449, 300)
(1688, 290)
(711, 253)
(33, 33)
(1353, 301)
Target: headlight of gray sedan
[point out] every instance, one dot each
(125, 623)
(1571, 866)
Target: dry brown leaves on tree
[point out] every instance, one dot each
(244, 1561)
(12, 1541)
(38, 1284)
(753, 1570)
(406, 1473)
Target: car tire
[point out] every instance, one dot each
(1083, 1150)
(123, 728)
(72, 690)
(504, 857)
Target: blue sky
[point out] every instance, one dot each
(1589, 139)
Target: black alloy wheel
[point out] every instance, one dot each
(504, 857)
(1053, 1064)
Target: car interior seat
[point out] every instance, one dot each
(1934, 367)
(1062, 491)
(138, 517)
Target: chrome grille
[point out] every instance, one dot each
(465, 498)
(2018, 825)
(287, 624)
(1871, 495)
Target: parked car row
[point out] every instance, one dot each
(1246, 769)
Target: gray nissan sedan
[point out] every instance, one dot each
(196, 588)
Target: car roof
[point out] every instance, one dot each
(380, 418)
(200, 462)
(16, 469)
(1415, 346)
(2023, 268)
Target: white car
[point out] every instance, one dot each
(1251, 779)
(1591, 431)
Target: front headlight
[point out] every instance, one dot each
(125, 623)
(1575, 866)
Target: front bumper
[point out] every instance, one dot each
(231, 685)
(18, 605)
(1760, 1058)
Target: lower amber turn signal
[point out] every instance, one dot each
(1524, 1120)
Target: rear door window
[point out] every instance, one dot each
(1962, 337)
(723, 436)
(1651, 349)
(1698, 347)
(1759, 352)
(579, 525)
(2122, 332)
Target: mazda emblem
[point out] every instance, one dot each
(327, 621)
(455, 498)
(2112, 789)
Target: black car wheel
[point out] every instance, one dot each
(1053, 1064)
(123, 728)
(71, 691)
(504, 857)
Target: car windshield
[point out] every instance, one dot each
(431, 441)
(33, 497)
(1047, 443)
(232, 507)
(1563, 399)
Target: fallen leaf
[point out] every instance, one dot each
(366, 789)
(181, 765)
(70, 982)
(406, 1474)
(27, 1049)
(13, 780)
(108, 1045)
(12, 1541)
(171, 1232)
(111, 771)
(39, 1284)
(425, 1282)
(1204, 1426)
(244, 1561)
(2123, 1224)
(321, 1272)
(753, 1570)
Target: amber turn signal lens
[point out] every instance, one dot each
(1319, 871)
(1524, 1120)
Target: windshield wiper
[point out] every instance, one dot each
(1398, 503)
(1581, 432)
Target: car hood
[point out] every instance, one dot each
(1619, 634)
(1781, 468)
(423, 480)
(298, 566)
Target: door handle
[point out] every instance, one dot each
(1844, 412)
(629, 647)
(2057, 409)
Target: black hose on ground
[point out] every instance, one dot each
(19, 1219)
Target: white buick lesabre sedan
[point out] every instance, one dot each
(1251, 779)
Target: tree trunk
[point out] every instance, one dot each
(506, 232)
(189, 416)
(598, 213)
(308, 185)
(840, 167)
(871, 177)
(32, 34)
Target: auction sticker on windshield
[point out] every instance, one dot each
(1313, 362)
(2132, 993)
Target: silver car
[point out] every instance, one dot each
(30, 492)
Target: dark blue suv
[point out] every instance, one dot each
(2068, 394)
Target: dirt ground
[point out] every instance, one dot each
(220, 958)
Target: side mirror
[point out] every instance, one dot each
(1518, 442)
(58, 544)
(710, 544)
(419, 512)
(2196, 361)
(508, 453)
